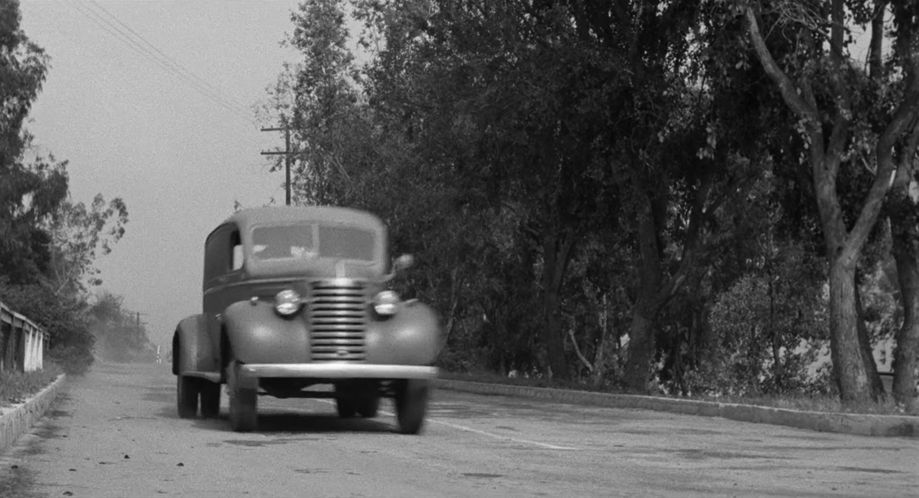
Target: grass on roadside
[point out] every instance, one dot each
(825, 403)
(16, 387)
(828, 404)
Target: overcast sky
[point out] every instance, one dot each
(151, 101)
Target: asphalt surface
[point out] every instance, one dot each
(846, 423)
(114, 433)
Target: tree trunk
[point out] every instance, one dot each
(455, 285)
(556, 250)
(904, 231)
(867, 351)
(599, 371)
(778, 370)
(641, 352)
(552, 337)
(906, 355)
(642, 346)
(654, 290)
(845, 349)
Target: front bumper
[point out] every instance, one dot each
(333, 370)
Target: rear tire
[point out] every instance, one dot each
(210, 399)
(243, 400)
(345, 407)
(187, 396)
(369, 406)
(357, 398)
(411, 405)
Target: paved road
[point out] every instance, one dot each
(114, 433)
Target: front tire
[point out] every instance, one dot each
(187, 396)
(411, 405)
(210, 399)
(243, 399)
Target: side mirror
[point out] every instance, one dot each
(403, 262)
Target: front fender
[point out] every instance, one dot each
(258, 335)
(411, 337)
(192, 350)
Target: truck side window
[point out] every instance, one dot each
(237, 256)
(219, 253)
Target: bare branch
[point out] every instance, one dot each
(837, 33)
(786, 87)
(837, 77)
(905, 114)
(577, 351)
(908, 164)
(875, 51)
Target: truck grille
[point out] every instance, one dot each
(338, 320)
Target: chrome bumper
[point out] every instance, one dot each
(333, 370)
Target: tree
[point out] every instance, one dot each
(821, 87)
(573, 172)
(766, 326)
(902, 209)
(671, 158)
(493, 96)
(23, 66)
(29, 193)
(460, 102)
(48, 243)
(29, 197)
(79, 234)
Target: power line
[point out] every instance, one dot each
(125, 37)
(205, 90)
(179, 68)
(144, 52)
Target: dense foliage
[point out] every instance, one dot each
(678, 194)
(48, 243)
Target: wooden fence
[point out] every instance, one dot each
(22, 343)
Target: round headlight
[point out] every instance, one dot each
(386, 302)
(287, 302)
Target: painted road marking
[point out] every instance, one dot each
(502, 437)
(478, 431)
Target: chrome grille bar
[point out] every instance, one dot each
(338, 320)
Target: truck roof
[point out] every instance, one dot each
(272, 214)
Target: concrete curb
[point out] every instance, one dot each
(846, 423)
(17, 419)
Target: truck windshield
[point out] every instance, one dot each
(310, 241)
(345, 243)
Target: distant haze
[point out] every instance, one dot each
(180, 147)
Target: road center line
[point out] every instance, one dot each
(477, 431)
(499, 436)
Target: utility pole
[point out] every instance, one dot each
(287, 154)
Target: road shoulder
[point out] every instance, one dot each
(845, 423)
(15, 420)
